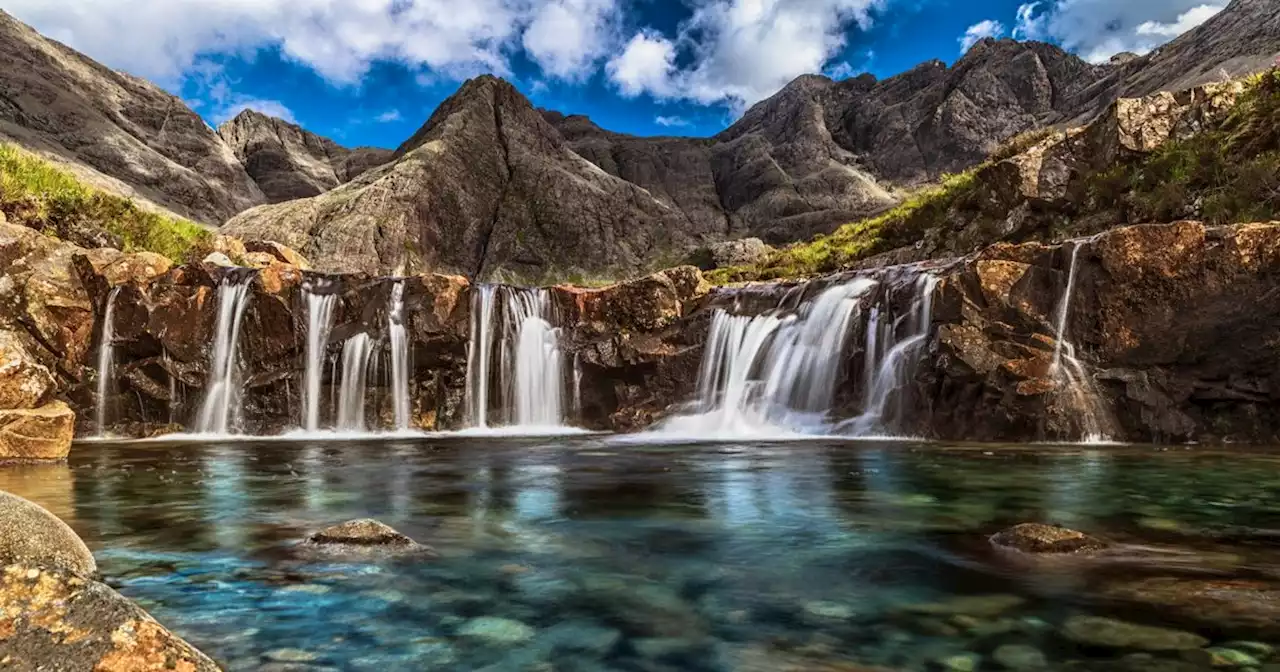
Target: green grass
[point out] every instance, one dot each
(860, 239)
(37, 194)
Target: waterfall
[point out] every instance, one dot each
(357, 353)
(1077, 385)
(106, 361)
(399, 357)
(891, 359)
(776, 371)
(221, 406)
(530, 370)
(479, 352)
(319, 323)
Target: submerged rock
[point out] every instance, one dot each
(1109, 633)
(31, 536)
(364, 536)
(1040, 538)
(496, 631)
(1245, 607)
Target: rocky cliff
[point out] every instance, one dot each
(119, 132)
(288, 162)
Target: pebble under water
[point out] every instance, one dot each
(586, 553)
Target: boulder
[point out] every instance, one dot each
(742, 252)
(284, 255)
(1245, 607)
(219, 259)
(24, 381)
(54, 619)
(30, 535)
(1040, 538)
(1109, 633)
(37, 434)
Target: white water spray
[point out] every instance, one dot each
(479, 353)
(399, 357)
(357, 353)
(106, 361)
(319, 323)
(221, 407)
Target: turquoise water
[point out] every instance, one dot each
(585, 554)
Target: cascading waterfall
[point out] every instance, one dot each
(319, 323)
(531, 364)
(399, 357)
(106, 361)
(1077, 385)
(221, 406)
(890, 361)
(774, 371)
(357, 355)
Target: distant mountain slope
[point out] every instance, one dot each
(288, 162)
(124, 133)
(488, 188)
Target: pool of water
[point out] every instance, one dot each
(583, 553)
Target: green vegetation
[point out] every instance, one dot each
(1223, 175)
(1229, 173)
(38, 194)
(859, 240)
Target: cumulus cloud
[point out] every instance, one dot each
(671, 121)
(980, 31)
(339, 40)
(738, 51)
(1100, 29)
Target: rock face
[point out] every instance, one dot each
(288, 162)
(117, 131)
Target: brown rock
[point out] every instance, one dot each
(43, 433)
(24, 381)
(31, 536)
(1040, 538)
(1243, 607)
(52, 619)
(281, 253)
(366, 537)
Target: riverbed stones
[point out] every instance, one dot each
(1039, 538)
(496, 631)
(364, 536)
(1109, 633)
(1020, 657)
(31, 536)
(1243, 607)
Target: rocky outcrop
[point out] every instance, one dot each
(116, 131)
(288, 162)
(365, 538)
(54, 616)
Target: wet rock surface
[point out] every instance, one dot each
(364, 536)
(1040, 538)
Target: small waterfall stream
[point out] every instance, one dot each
(1078, 389)
(399, 357)
(220, 409)
(357, 359)
(531, 371)
(319, 323)
(106, 361)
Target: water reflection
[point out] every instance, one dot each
(778, 551)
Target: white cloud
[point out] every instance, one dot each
(671, 121)
(738, 51)
(1100, 29)
(271, 108)
(338, 39)
(980, 31)
(567, 37)
(389, 116)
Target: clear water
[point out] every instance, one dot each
(794, 556)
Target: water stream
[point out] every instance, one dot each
(399, 357)
(357, 359)
(1077, 388)
(106, 362)
(319, 323)
(531, 377)
(220, 410)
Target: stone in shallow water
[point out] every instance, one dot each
(32, 536)
(580, 637)
(364, 536)
(965, 662)
(980, 606)
(1020, 657)
(496, 631)
(1109, 633)
(1040, 538)
(831, 611)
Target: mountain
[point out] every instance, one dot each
(288, 162)
(119, 132)
(487, 188)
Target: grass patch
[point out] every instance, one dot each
(861, 239)
(38, 194)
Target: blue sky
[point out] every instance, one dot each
(369, 72)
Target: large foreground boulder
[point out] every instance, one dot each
(54, 617)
